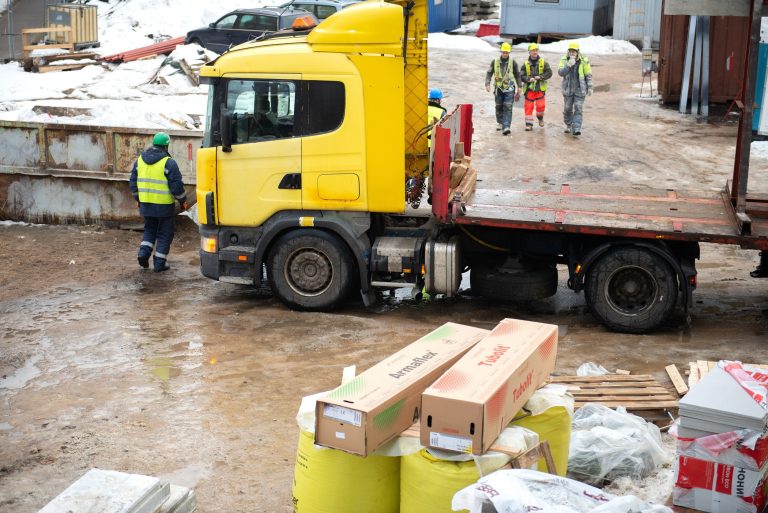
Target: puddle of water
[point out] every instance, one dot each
(22, 376)
(189, 476)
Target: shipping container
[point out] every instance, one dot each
(444, 15)
(635, 19)
(726, 56)
(556, 17)
(82, 19)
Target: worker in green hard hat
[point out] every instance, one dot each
(156, 185)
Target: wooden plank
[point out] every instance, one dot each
(703, 368)
(45, 30)
(622, 371)
(60, 67)
(711, 365)
(624, 391)
(677, 379)
(620, 384)
(634, 405)
(653, 400)
(191, 75)
(693, 376)
(65, 46)
(600, 379)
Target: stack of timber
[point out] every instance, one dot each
(472, 10)
(108, 491)
(640, 394)
(63, 62)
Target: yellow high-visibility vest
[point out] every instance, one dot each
(152, 182)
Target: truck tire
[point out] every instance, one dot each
(513, 284)
(310, 269)
(631, 290)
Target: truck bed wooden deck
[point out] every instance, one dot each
(621, 212)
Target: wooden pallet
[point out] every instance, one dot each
(640, 394)
(700, 368)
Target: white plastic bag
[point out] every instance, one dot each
(523, 491)
(607, 444)
(591, 369)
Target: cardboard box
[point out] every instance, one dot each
(711, 486)
(383, 401)
(467, 408)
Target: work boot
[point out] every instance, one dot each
(143, 261)
(577, 132)
(499, 127)
(528, 127)
(506, 131)
(761, 271)
(161, 265)
(567, 129)
(541, 121)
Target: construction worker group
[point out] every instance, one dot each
(507, 81)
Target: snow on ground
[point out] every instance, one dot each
(759, 149)
(592, 45)
(457, 42)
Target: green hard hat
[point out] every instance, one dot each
(161, 139)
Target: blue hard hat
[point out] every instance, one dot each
(435, 94)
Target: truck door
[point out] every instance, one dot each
(262, 173)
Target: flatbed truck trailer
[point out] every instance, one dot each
(316, 139)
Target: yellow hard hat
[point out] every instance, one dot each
(533, 46)
(506, 47)
(573, 46)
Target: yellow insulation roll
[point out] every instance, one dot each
(332, 481)
(554, 426)
(427, 483)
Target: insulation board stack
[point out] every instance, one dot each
(722, 449)
(472, 10)
(108, 491)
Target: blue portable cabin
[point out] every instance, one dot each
(532, 17)
(444, 15)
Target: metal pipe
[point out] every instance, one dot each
(9, 14)
(687, 65)
(705, 68)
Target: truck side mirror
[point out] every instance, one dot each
(225, 127)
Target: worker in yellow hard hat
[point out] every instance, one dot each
(577, 85)
(506, 87)
(535, 74)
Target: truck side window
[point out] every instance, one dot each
(261, 110)
(325, 106)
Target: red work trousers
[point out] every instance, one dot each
(534, 99)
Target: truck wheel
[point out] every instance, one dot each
(631, 290)
(310, 270)
(513, 284)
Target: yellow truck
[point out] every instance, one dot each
(316, 141)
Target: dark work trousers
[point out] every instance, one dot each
(158, 235)
(505, 100)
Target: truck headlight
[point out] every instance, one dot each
(208, 244)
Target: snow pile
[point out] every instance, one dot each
(457, 42)
(592, 45)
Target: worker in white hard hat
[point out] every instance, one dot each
(535, 75)
(506, 87)
(577, 85)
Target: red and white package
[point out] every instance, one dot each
(718, 488)
(744, 448)
(753, 381)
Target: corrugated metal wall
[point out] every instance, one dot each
(634, 19)
(531, 17)
(726, 59)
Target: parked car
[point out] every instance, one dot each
(243, 25)
(321, 9)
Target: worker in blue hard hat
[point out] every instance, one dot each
(506, 86)
(435, 111)
(156, 185)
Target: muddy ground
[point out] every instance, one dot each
(106, 365)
